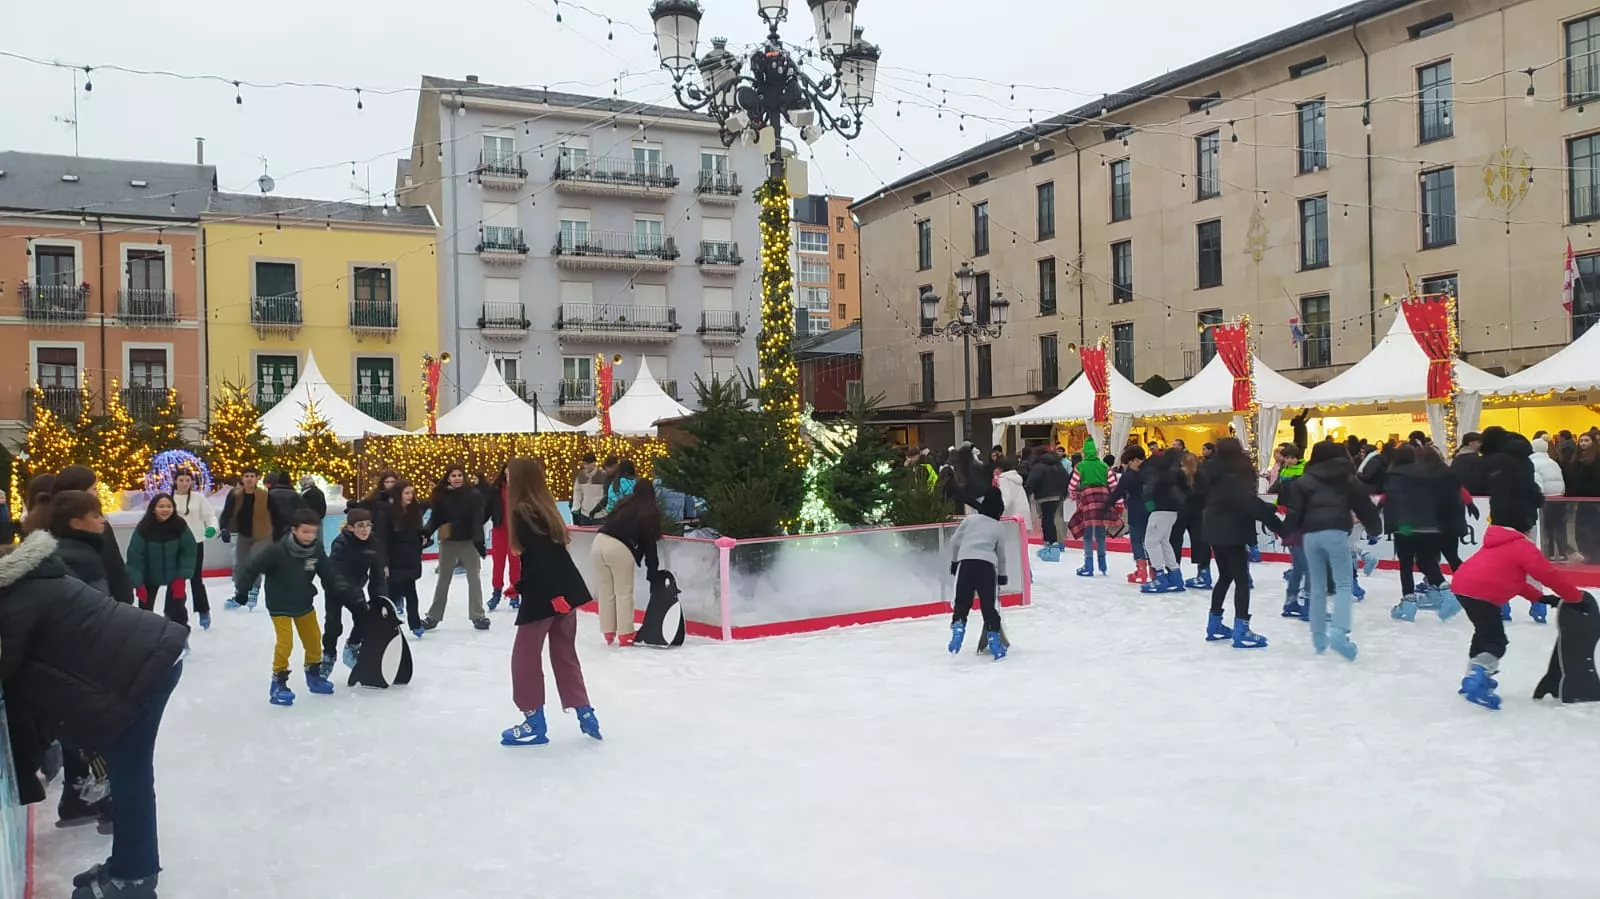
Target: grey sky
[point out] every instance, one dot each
(310, 136)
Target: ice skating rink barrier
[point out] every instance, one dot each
(746, 589)
(16, 830)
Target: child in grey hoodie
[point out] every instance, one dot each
(978, 561)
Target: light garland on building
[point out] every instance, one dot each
(780, 376)
(421, 459)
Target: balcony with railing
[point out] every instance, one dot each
(578, 322)
(504, 321)
(501, 171)
(519, 387)
(381, 317)
(575, 393)
(615, 251)
(502, 246)
(387, 408)
(615, 176)
(143, 402)
(718, 188)
(1044, 380)
(720, 326)
(65, 403)
(54, 303)
(719, 257)
(279, 314)
(142, 306)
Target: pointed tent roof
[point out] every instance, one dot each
(494, 408)
(1211, 392)
(636, 412)
(282, 422)
(1396, 371)
(1571, 368)
(1076, 403)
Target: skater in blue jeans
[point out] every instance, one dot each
(1320, 506)
(79, 666)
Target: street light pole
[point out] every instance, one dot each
(965, 327)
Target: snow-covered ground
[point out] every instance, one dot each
(1113, 754)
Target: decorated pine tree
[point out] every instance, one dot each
(317, 450)
(856, 480)
(233, 435)
(119, 456)
(166, 429)
(51, 445)
(86, 429)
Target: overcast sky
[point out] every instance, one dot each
(310, 136)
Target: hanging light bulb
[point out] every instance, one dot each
(88, 85)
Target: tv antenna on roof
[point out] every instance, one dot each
(265, 182)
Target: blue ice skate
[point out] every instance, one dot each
(1319, 641)
(418, 632)
(1478, 688)
(1254, 553)
(280, 694)
(351, 652)
(1050, 552)
(1449, 606)
(1201, 581)
(1339, 641)
(1405, 609)
(1245, 638)
(1173, 582)
(1369, 561)
(514, 602)
(1426, 600)
(1505, 612)
(1293, 609)
(316, 681)
(531, 732)
(588, 723)
(232, 604)
(997, 645)
(1356, 590)
(958, 632)
(494, 599)
(254, 597)
(1538, 612)
(328, 660)
(1216, 629)
(205, 621)
(1086, 569)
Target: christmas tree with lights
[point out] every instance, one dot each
(166, 429)
(780, 376)
(119, 457)
(317, 450)
(234, 434)
(50, 445)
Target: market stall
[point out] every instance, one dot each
(494, 408)
(636, 412)
(312, 390)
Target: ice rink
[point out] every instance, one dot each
(1115, 753)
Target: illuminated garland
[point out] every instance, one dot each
(422, 460)
(780, 377)
(1451, 421)
(165, 468)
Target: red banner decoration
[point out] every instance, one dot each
(1093, 360)
(430, 388)
(602, 398)
(1429, 320)
(1233, 345)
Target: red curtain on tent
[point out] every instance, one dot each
(602, 397)
(430, 389)
(1093, 360)
(1429, 320)
(1233, 345)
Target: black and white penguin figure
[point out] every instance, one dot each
(663, 617)
(384, 659)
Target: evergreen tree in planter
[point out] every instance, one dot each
(857, 483)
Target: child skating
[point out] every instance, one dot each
(361, 560)
(291, 567)
(978, 561)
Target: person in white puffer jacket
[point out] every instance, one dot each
(1554, 516)
(1547, 471)
(196, 512)
(1013, 495)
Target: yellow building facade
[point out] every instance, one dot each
(357, 286)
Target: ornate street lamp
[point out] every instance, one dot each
(765, 88)
(965, 327)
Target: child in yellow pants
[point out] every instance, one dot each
(291, 566)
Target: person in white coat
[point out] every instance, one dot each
(197, 513)
(1553, 517)
(1012, 494)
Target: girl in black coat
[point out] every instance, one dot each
(80, 531)
(552, 590)
(120, 586)
(403, 531)
(77, 666)
(1228, 523)
(1422, 508)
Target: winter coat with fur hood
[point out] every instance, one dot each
(74, 664)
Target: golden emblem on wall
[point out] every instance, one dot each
(1255, 240)
(1506, 178)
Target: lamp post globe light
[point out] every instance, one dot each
(751, 96)
(966, 328)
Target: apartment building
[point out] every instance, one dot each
(577, 227)
(825, 255)
(100, 284)
(1301, 176)
(355, 285)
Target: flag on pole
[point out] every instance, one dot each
(1297, 333)
(1569, 282)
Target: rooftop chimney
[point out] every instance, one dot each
(472, 78)
(199, 151)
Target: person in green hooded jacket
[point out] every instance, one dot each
(162, 553)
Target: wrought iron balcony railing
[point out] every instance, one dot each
(55, 302)
(146, 306)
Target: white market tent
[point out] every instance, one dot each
(636, 412)
(494, 408)
(1076, 404)
(1574, 368)
(1209, 394)
(282, 421)
(1396, 373)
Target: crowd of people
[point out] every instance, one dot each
(87, 669)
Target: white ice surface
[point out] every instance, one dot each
(1114, 754)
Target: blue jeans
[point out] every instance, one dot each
(130, 764)
(1136, 537)
(1094, 536)
(1297, 572)
(1327, 551)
